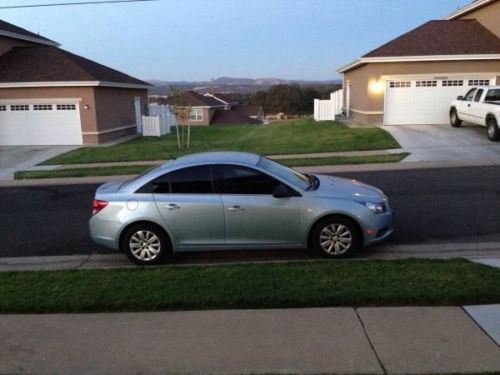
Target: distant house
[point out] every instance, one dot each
(217, 109)
(49, 96)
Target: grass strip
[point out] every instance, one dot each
(265, 285)
(299, 136)
(135, 169)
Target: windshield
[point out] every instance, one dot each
(293, 177)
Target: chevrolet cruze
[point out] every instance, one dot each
(235, 200)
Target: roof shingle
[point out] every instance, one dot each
(456, 37)
(51, 64)
(193, 99)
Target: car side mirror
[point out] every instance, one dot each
(460, 97)
(281, 191)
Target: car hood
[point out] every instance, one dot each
(343, 188)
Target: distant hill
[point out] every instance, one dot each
(230, 85)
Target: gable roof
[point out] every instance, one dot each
(457, 37)
(13, 31)
(226, 99)
(50, 64)
(194, 99)
(466, 9)
(248, 110)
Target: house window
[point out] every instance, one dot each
(42, 107)
(456, 82)
(197, 114)
(479, 82)
(3, 108)
(426, 83)
(20, 107)
(399, 84)
(66, 107)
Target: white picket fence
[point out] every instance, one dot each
(159, 121)
(328, 109)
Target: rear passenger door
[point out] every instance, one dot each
(253, 216)
(190, 208)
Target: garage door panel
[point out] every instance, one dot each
(424, 101)
(50, 124)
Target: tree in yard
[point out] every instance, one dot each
(181, 108)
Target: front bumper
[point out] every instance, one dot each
(379, 228)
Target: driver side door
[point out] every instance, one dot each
(252, 215)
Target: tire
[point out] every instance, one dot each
(492, 130)
(336, 237)
(454, 120)
(146, 244)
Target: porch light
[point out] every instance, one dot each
(376, 86)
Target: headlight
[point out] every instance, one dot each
(377, 208)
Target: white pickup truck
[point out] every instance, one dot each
(481, 106)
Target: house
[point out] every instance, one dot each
(216, 109)
(49, 96)
(413, 78)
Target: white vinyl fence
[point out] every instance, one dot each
(328, 109)
(158, 122)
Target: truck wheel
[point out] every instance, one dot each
(454, 120)
(492, 130)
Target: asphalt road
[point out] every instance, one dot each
(432, 205)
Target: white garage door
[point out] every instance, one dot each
(424, 101)
(40, 124)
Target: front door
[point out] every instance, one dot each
(190, 208)
(253, 216)
(464, 106)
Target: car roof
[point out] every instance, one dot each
(214, 157)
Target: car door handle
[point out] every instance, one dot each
(172, 206)
(468, 105)
(235, 209)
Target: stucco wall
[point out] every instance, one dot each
(207, 116)
(366, 100)
(489, 16)
(7, 43)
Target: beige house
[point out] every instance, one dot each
(413, 78)
(49, 96)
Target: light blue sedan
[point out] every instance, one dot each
(235, 200)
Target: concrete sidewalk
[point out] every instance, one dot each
(418, 340)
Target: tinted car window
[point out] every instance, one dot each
(192, 180)
(235, 179)
(470, 95)
(493, 95)
(478, 95)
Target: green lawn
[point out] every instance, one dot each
(298, 136)
(265, 285)
(136, 169)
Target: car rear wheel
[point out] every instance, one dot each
(492, 130)
(146, 244)
(336, 237)
(454, 120)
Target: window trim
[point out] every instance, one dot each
(196, 117)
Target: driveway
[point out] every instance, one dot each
(444, 143)
(14, 158)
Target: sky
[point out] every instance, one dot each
(197, 40)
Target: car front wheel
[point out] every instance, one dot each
(492, 130)
(454, 120)
(146, 244)
(336, 237)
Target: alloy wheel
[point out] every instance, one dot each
(335, 239)
(145, 245)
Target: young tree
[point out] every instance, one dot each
(181, 108)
